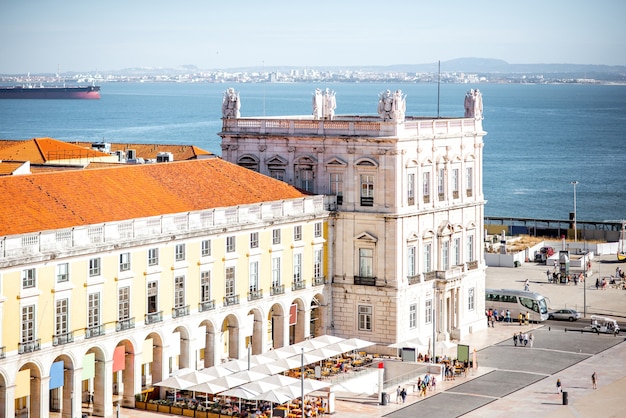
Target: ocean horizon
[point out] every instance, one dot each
(540, 137)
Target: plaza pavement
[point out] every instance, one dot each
(505, 391)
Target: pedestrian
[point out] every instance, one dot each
(559, 387)
(525, 339)
(433, 383)
(527, 318)
(531, 339)
(423, 391)
(520, 317)
(508, 316)
(515, 339)
(403, 395)
(598, 283)
(594, 380)
(493, 321)
(398, 394)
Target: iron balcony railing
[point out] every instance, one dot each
(298, 285)
(319, 281)
(277, 290)
(206, 306)
(255, 294)
(63, 338)
(94, 331)
(180, 311)
(154, 317)
(29, 346)
(124, 324)
(231, 300)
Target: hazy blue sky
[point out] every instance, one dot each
(38, 35)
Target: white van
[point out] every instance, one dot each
(604, 324)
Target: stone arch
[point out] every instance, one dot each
(62, 396)
(319, 313)
(123, 379)
(208, 356)
(230, 337)
(94, 379)
(152, 371)
(184, 348)
(276, 326)
(366, 162)
(256, 339)
(27, 396)
(297, 324)
(249, 161)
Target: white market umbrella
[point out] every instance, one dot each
(239, 378)
(240, 393)
(279, 380)
(310, 345)
(328, 339)
(175, 382)
(325, 352)
(216, 371)
(275, 396)
(270, 368)
(236, 365)
(196, 377)
(311, 385)
(209, 387)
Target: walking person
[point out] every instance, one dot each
(594, 380)
(508, 316)
(531, 339)
(398, 394)
(403, 395)
(520, 317)
(559, 387)
(515, 339)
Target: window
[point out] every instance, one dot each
(275, 271)
(318, 263)
(470, 248)
(230, 244)
(455, 183)
(367, 190)
(276, 236)
(180, 252)
(317, 226)
(28, 324)
(336, 186)
(61, 317)
(445, 255)
(297, 233)
(410, 188)
(366, 262)
(254, 276)
(63, 272)
(179, 291)
(123, 303)
(413, 315)
(456, 251)
(426, 186)
(428, 312)
(153, 296)
(29, 278)
(254, 240)
(278, 174)
(427, 257)
(471, 299)
(205, 286)
(441, 183)
(93, 310)
(206, 248)
(469, 177)
(306, 179)
(124, 261)
(153, 257)
(297, 267)
(94, 267)
(410, 261)
(230, 281)
(365, 318)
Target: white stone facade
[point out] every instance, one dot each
(405, 240)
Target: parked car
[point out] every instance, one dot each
(564, 315)
(603, 324)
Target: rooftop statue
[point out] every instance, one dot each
(231, 104)
(474, 104)
(318, 104)
(329, 104)
(392, 106)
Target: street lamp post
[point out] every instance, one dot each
(575, 233)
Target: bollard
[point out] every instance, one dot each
(565, 400)
(383, 398)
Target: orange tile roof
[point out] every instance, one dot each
(42, 150)
(150, 151)
(45, 201)
(8, 167)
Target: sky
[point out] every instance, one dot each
(40, 35)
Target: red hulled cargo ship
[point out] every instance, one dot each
(49, 92)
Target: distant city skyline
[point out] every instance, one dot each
(39, 35)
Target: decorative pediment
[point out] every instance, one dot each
(248, 159)
(336, 163)
(445, 229)
(276, 160)
(471, 225)
(366, 162)
(365, 236)
(412, 236)
(305, 160)
(428, 234)
(427, 162)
